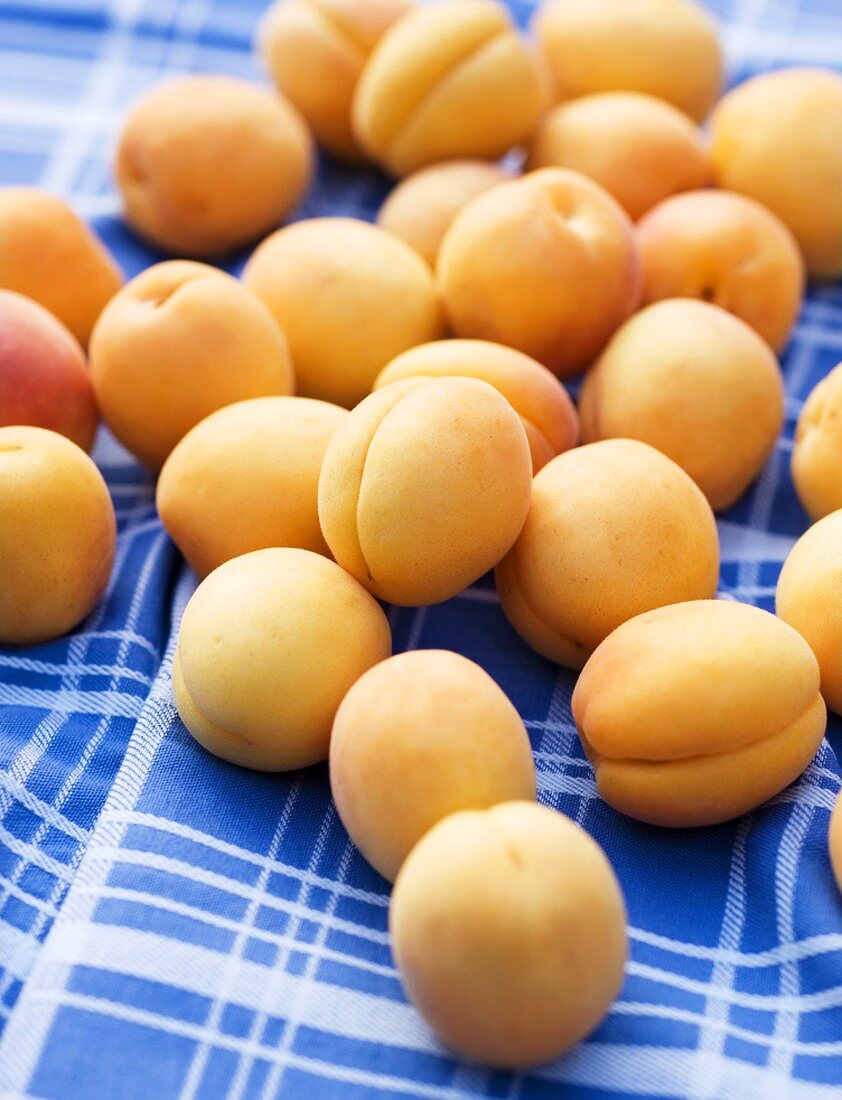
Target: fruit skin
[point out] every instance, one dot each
(614, 529)
(315, 51)
(57, 535)
(639, 148)
(51, 256)
(817, 452)
(258, 461)
(778, 139)
(44, 377)
(548, 415)
(422, 206)
(835, 841)
(546, 264)
(694, 382)
(425, 487)
(666, 48)
(269, 645)
(349, 296)
(697, 713)
(454, 79)
(180, 341)
(508, 928)
(809, 598)
(206, 164)
(727, 250)
(418, 737)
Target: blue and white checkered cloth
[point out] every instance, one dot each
(174, 927)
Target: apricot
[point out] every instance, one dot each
(546, 264)
(425, 487)
(57, 535)
(817, 452)
(315, 51)
(247, 477)
(614, 529)
(778, 139)
(697, 713)
(728, 250)
(269, 644)
(835, 841)
(508, 928)
(349, 296)
(696, 383)
(454, 79)
(419, 737)
(177, 343)
(666, 48)
(206, 164)
(422, 206)
(540, 400)
(43, 374)
(809, 598)
(50, 255)
(639, 148)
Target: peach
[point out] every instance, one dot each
(269, 644)
(778, 139)
(177, 343)
(546, 264)
(258, 461)
(639, 148)
(206, 164)
(43, 374)
(696, 383)
(817, 452)
(57, 535)
(349, 296)
(540, 400)
(666, 48)
(835, 841)
(728, 250)
(425, 487)
(315, 51)
(422, 206)
(697, 713)
(49, 254)
(508, 928)
(808, 598)
(614, 529)
(418, 737)
(454, 79)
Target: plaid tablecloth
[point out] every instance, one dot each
(171, 926)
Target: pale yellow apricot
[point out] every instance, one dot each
(453, 79)
(696, 383)
(728, 250)
(349, 296)
(546, 264)
(639, 148)
(666, 48)
(508, 928)
(180, 341)
(269, 645)
(49, 254)
(419, 737)
(247, 477)
(206, 164)
(425, 487)
(315, 51)
(697, 713)
(835, 841)
(548, 415)
(778, 139)
(817, 452)
(809, 598)
(614, 529)
(57, 535)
